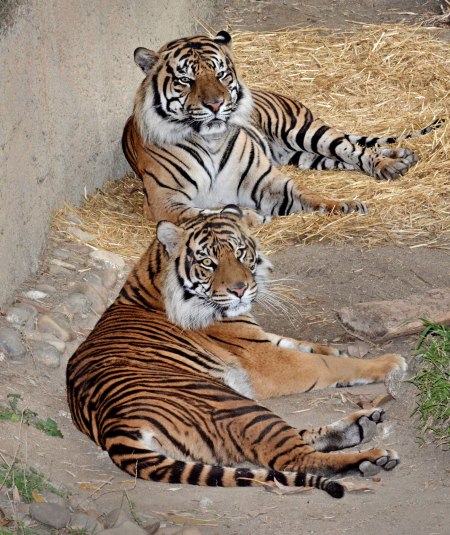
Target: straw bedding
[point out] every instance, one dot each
(374, 80)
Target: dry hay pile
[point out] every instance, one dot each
(375, 80)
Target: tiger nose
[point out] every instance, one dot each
(213, 104)
(238, 289)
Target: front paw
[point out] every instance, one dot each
(392, 365)
(394, 163)
(344, 207)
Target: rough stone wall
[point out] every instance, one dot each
(67, 82)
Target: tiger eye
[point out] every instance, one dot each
(207, 262)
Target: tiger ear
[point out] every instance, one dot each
(223, 38)
(169, 235)
(145, 58)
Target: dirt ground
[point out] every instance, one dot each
(413, 499)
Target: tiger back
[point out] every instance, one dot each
(166, 381)
(199, 138)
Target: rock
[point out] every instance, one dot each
(22, 315)
(107, 259)
(58, 271)
(358, 349)
(45, 354)
(88, 322)
(61, 263)
(73, 218)
(93, 278)
(51, 514)
(37, 336)
(80, 234)
(116, 518)
(151, 527)
(78, 303)
(11, 345)
(109, 278)
(55, 324)
(127, 528)
(80, 521)
(61, 253)
(51, 497)
(94, 295)
(47, 288)
(36, 295)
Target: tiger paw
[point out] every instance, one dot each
(344, 207)
(393, 163)
(255, 219)
(391, 365)
(380, 460)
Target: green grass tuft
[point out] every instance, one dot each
(26, 479)
(12, 413)
(433, 382)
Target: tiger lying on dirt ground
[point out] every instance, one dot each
(167, 379)
(200, 139)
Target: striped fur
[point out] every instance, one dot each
(170, 393)
(200, 139)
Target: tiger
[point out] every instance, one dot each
(199, 139)
(168, 379)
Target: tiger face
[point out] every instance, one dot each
(214, 269)
(191, 86)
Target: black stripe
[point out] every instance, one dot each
(195, 474)
(317, 137)
(215, 476)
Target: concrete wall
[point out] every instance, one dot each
(67, 82)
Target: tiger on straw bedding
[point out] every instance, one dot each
(199, 139)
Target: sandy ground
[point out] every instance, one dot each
(413, 499)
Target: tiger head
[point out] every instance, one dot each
(191, 86)
(214, 268)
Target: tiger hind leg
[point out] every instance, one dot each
(350, 431)
(280, 447)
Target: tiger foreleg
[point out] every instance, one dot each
(277, 194)
(279, 371)
(303, 345)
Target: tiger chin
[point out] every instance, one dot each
(200, 138)
(167, 380)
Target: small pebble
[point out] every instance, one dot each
(55, 324)
(36, 295)
(51, 514)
